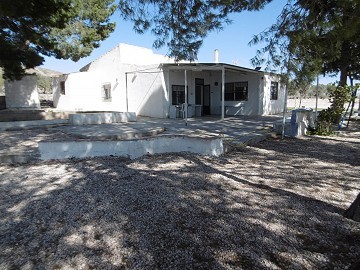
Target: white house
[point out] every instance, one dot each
(134, 79)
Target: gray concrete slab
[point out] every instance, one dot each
(234, 130)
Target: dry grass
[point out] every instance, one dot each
(277, 205)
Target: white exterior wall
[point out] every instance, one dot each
(83, 92)
(127, 54)
(272, 106)
(22, 94)
(145, 92)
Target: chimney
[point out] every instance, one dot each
(216, 56)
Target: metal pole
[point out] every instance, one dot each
(284, 111)
(285, 99)
(317, 97)
(126, 89)
(222, 93)
(186, 104)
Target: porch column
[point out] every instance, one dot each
(222, 92)
(126, 91)
(186, 103)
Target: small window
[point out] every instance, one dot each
(237, 91)
(62, 87)
(106, 92)
(274, 90)
(178, 94)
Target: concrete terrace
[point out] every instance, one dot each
(22, 145)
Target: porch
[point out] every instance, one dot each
(218, 89)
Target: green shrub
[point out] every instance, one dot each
(331, 117)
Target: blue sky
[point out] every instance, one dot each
(232, 41)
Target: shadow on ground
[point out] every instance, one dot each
(273, 206)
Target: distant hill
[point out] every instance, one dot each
(43, 72)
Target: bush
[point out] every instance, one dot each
(332, 115)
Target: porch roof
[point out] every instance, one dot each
(209, 66)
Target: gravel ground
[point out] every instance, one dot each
(276, 205)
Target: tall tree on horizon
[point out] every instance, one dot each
(315, 36)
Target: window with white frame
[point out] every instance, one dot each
(274, 90)
(106, 92)
(178, 94)
(236, 91)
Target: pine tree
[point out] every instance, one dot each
(63, 29)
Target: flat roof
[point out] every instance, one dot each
(208, 66)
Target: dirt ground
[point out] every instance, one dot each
(275, 205)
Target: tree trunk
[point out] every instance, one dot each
(344, 62)
(343, 77)
(353, 212)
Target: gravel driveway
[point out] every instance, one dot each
(277, 205)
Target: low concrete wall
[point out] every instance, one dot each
(132, 148)
(101, 118)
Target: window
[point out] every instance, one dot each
(106, 92)
(62, 87)
(274, 89)
(178, 94)
(236, 91)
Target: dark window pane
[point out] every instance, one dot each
(106, 92)
(62, 88)
(229, 92)
(199, 81)
(178, 94)
(274, 90)
(241, 91)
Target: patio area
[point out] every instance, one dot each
(22, 145)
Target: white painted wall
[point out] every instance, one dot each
(83, 92)
(145, 90)
(147, 94)
(272, 106)
(127, 54)
(137, 84)
(22, 94)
